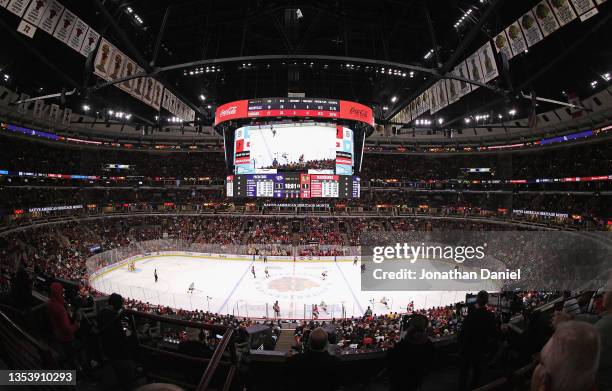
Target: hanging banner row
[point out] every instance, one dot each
(538, 23)
(112, 64)
(54, 19)
(57, 20)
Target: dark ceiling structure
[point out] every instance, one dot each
(380, 53)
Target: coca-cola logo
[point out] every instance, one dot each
(358, 112)
(229, 111)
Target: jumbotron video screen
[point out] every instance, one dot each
(293, 161)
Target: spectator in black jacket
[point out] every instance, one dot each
(477, 334)
(411, 358)
(115, 343)
(315, 369)
(114, 340)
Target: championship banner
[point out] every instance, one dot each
(138, 84)
(517, 40)
(54, 112)
(531, 29)
(116, 65)
(433, 99)
(545, 18)
(51, 17)
(66, 117)
(128, 70)
(158, 89)
(487, 62)
(35, 11)
(90, 42)
(451, 88)
(18, 7)
(65, 26)
(462, 70)
(103, 59)
(37, 112)
(583, 6)
(474, 69)
(23, 107)
(147, 93)
(502, 45)
(563, 11)
(77, 36)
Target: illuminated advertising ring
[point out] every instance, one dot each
(294, 107)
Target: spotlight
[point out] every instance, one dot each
(394, 99)
(512, 112)
(467, 120)
(202, 97)
(86, 107)
(440, 121)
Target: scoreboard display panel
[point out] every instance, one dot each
(292, 185)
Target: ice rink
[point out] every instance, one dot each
(228, 286)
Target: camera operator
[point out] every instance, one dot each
(411, 358)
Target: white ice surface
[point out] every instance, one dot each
(228, 287)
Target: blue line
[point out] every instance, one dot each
(350, 288)
(235, 287)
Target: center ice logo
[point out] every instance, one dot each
(292, 284)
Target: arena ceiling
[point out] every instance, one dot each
(275, 47)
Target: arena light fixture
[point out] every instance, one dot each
(440, 121)
(467, 120)
(606, 76)
(6, 77)
(202, 97)
(428, 55)
(86, 107)
(512, 112)
(111, 112)
(394, 99)
(594, 84)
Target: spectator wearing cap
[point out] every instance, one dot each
(569, 360)
(315, 369)
(409, 361)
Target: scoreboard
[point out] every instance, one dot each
(293, 185)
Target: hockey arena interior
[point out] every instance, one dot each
(324, 195)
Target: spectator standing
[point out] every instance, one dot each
(477, 334)
(409, 361)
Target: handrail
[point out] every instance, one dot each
(22, 333)
(215, 360)
(182, 322)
